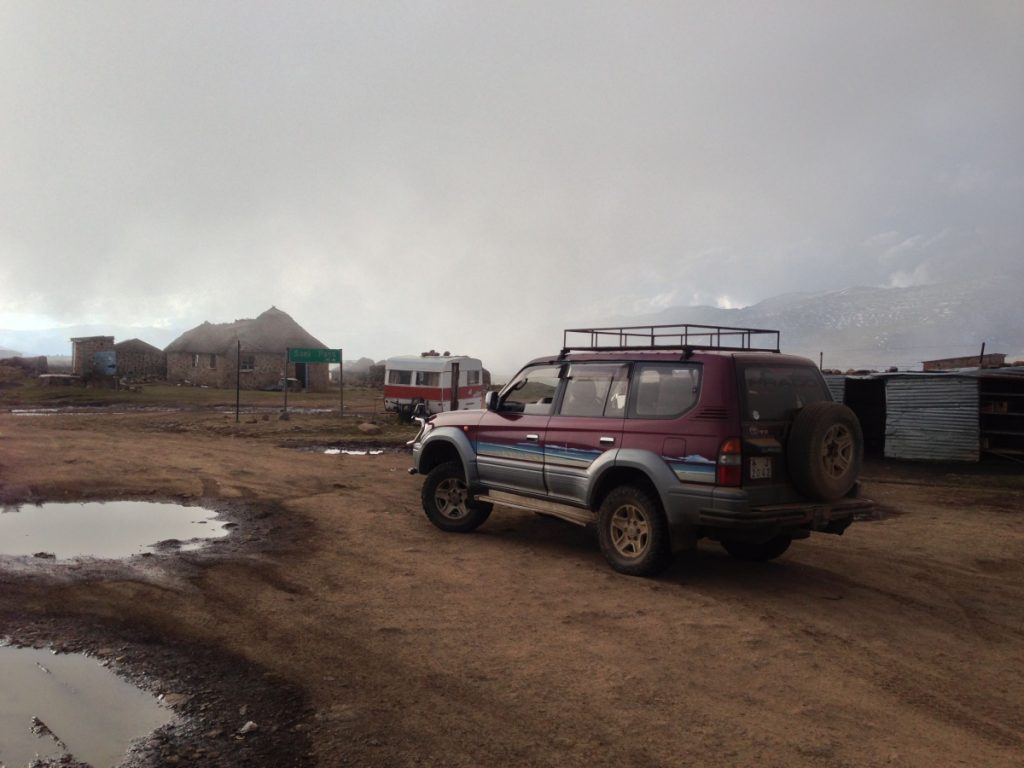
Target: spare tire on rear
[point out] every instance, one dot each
(825, 450)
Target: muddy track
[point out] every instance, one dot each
(363, 636)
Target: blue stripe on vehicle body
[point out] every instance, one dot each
(519, 451)
(693, 469)
(573, 457)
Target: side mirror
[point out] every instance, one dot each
(492, 400)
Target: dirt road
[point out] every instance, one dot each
(363, 636)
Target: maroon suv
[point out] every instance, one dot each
(659, 435)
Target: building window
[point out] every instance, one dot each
(195, 360)
(399, 377)
(428, 379)
(213, 361)
(472, 377)
(248, 364)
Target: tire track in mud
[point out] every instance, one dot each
(928, 692)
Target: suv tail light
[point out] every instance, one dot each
(730, 462)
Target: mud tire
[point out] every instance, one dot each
(447, 503)
(633, 533)
(825, 450)
(757, 551)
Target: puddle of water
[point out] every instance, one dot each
(109, 529)
(68, 703)
(272, 409)
(97, 411)
(352, 452)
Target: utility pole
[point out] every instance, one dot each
(238, 378)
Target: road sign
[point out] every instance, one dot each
(312, 355)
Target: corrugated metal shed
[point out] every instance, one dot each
(932, 417)
(837, 386)
(1002, 411)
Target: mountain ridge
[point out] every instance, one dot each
(865, 327)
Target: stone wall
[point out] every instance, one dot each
(196, 369)
(267, 371)
(83, 349)
(30, 365)
(140, 364)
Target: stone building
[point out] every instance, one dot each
(208, 354)
(138, 361)
(83, 353)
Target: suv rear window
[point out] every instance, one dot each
(773, 393)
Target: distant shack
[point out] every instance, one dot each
(207, 355)
(84, 351)
(993, 360)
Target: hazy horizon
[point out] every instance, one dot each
(476, 177)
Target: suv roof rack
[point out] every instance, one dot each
(685, 337)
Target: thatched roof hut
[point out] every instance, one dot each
(209, 353)
(273, 331)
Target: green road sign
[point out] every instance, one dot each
(301, 355)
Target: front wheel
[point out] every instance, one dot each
(757, 551)
(447, 502)
(633, 533)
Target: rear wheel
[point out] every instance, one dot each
(447, 502)
(633, 533)
(757, 551)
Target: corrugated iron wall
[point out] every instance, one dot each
(837, 386)
(934, 418)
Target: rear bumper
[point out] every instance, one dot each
(719, 512)
(817, 515)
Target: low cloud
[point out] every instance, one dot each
(477, 177)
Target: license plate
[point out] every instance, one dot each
(760, 468)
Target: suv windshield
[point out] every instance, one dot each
(773, 393)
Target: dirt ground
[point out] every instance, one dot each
(354, 633)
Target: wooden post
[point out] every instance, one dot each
(341, 380)
(287, 354)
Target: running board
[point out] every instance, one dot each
(573, 514)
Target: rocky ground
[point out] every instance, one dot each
(351, 632)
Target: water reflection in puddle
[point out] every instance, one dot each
(68, 703)
(110, 529)
(87, 411)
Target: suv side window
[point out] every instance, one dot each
(532, 391)
(664, 390)
(595, 390)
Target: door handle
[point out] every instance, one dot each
(533, 438)
(607, 440)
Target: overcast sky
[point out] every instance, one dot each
(476, 176)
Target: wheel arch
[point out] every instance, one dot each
(617, 476)
(444, 445)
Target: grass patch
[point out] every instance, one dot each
(31, 393)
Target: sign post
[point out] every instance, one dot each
(287, 358)
(313, 355)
